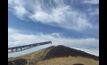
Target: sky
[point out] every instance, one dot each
(73, 23)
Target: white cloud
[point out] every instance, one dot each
(21, 11)
(62, 15)
(89, 44)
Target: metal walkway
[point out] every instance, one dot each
(25, 47)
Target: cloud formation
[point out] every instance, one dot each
(17, 38)
(52, 13)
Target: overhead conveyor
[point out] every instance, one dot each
(25, 47)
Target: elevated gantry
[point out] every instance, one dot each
(25, 47)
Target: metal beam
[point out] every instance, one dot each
(25, 47)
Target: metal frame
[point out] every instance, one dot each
(25, 47)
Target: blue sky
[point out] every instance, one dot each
(73, 23)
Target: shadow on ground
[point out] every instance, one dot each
(18, 62)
